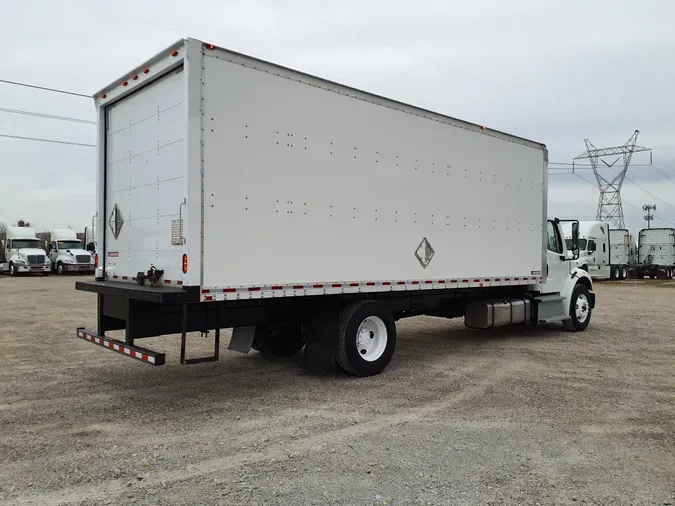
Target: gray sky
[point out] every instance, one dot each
(555, 71)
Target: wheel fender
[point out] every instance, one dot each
(578, 276)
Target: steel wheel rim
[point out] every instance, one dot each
(582, 308)
(371, 338)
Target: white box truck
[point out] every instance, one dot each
(604, 253)
(656, 253)
(235, 193)
(67, 253)
(22, 253)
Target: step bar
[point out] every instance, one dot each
(142, 354)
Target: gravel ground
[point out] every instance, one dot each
(515, 416)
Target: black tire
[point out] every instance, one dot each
(624, 272)
(280, 340)
(12, 270)
(60, 268)
(579, 294)
(370, 313)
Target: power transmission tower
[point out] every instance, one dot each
(609, 203)
(649, 216)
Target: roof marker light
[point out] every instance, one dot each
(211, 46)
(174, 53)
(125, 83)
(104, 95)
(145, 71)
(135, 78)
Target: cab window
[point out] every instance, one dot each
(554, 243)
(591, 246)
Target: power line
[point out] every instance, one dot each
(54, 90)
(37, 139)
(659, 218)
(664, 174)
(49, 116)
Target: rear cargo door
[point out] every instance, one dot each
(145, 180)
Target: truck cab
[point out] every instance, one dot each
(67, 253)
(22, 253)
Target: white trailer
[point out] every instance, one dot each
(22, 253)
(235, 193)
(604, 253)
(656, 253)
(67, 254)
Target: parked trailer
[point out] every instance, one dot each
(656, 253)
(67, 253)
(235, 193)
(604, 253)
(22, 253)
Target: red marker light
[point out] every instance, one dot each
(174, 53)
(135, 77)
(211, 46)
(96, 260)
(145, 71)
(104, 95)
(124, 83)
(185, 263)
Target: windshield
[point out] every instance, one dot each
(25, 243)
(69, 244)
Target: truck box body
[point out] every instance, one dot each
(656, 246)
(275, 183)
(306, 215)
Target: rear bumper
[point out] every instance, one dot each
(162, 294)
(135, 352)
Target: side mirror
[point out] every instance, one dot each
(575, 240)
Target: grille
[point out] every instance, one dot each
(36, 259)
(83, 259)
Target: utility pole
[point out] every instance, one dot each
(649, 216)
(609, 204)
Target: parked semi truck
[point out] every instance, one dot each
(604, 253)
(67, 254)
(656, 253)
(22, 253)
(307, 215)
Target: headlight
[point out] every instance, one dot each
(91, 260)
(48, 260)
(69, 260)
(20, 261)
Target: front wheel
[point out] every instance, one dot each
(580, 310)
(60, 268)
(366, 338)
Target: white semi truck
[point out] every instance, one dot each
(306, 215)
(605, 253)
(656, 253)
(67, 254)
(22, 253)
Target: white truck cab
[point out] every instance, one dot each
(67, 253)
(23, 254)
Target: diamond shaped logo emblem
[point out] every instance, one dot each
(116, 221)
(424, 252)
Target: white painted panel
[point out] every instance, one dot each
(657, 246)
(304, 184)
(145, 172)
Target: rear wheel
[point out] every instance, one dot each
(616, 271)
(624, 272)
(366, 338)
(279, 340)
(580, 309)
